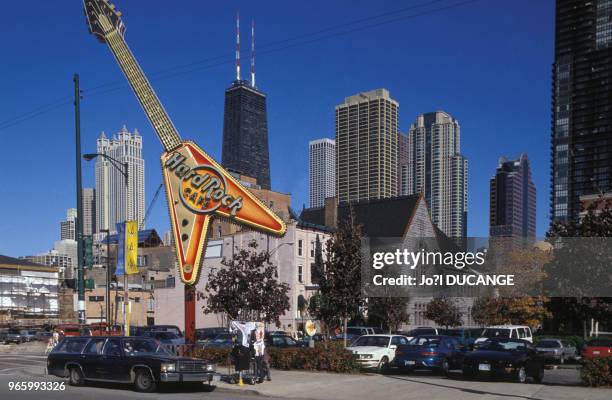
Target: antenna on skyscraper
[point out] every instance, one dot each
(253, 53)
(237, 46)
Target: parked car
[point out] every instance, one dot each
(282, 341)
(137, 360)
(223, 340)
(29, 334)
(505, 332)
(424, 331)
(555, 350)
(15, 335)
(165, 337)
(317, 337)
(465, 336)
(169, 328)
(436, 353)
(516, 358)
(597, 348)
(377, 351)
(203, 335)
(43, 336)
(69, 330)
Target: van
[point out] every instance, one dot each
(506, 331)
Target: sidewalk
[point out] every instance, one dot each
(327, 386)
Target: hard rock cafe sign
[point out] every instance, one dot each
(197, 188)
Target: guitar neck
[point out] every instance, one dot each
(149, 101)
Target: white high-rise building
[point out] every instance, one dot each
(89, 211)
(68, 227)
(439, 171)
(115, 203)
(321, 170)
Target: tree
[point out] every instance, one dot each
(390, 310)
(319, 308)
(340, 281)
(579, 297)
(526, 310)
(247, 288)
(443, 312)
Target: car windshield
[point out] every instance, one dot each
(14, 331)
(548, 343)
(493, 333)
(376, 341)
(502, 345)
(140, 347)
(223, 338)
(454, 332)
(424, 341)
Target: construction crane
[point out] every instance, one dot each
(155, 196)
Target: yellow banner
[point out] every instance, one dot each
(131, 247)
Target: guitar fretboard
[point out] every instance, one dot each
(142, 88)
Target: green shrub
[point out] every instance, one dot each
(331, 357)
(596, 372)
(218, 356)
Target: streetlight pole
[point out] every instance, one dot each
(79, 219)
(123, 168)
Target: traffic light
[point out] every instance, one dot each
(88, 252)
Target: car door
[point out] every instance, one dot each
(111, 361)
(92, 358)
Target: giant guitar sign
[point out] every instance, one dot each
(197, 188)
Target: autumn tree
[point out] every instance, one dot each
(247, 288)
(444, 312)
(579, 273)
(525, 310)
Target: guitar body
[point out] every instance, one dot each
(198, 188)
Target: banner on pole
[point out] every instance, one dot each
(120, 249)
(131, 247)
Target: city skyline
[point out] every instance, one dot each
(294, 116)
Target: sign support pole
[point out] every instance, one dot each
(190, 317)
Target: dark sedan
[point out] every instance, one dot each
(436, 353)
(142, 362)
(505, 357)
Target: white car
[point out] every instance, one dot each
(376, 351)
(507, 332)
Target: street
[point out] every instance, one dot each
(561, 383)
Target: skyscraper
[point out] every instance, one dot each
(245, 126)
(581, 137)
(321, 170)
(402, 164)
(513, 200)
(114, 203)
(89, 211)
(366, 146)
(437, 168)
(68, 227)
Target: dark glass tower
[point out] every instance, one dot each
(513, 199)
(245, 132)
(581, 105)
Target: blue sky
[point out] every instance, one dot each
(486, 62)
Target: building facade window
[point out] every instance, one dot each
(300, 274)
(300, 247)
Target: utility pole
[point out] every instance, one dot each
(79, 190)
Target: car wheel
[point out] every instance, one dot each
(383, 365)
(75, 376)
(521, 375)
(445, 368)
(144, 382)
(539, 376)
